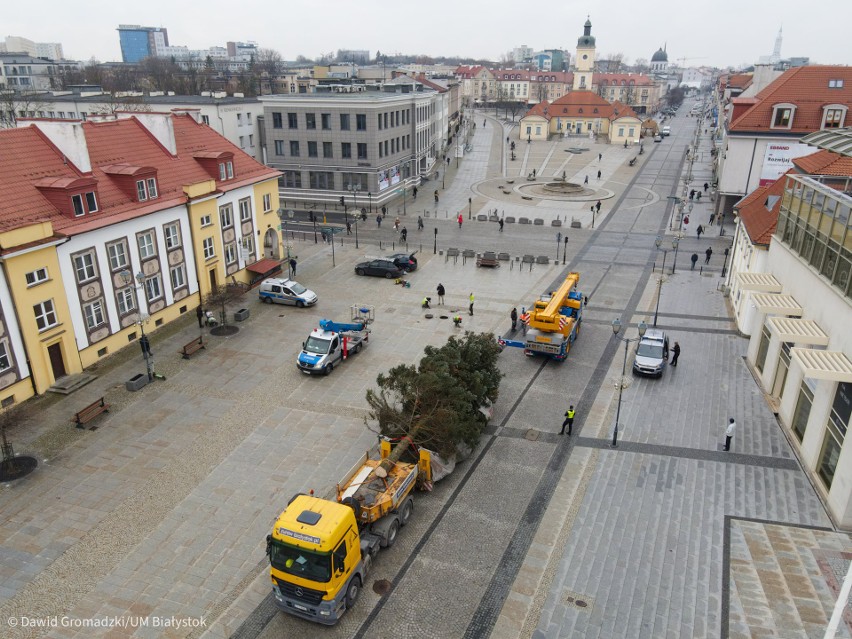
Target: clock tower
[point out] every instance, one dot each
(584, 65)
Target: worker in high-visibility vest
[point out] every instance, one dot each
(569, 421)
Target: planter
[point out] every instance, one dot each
(240, 315)
(136, 382)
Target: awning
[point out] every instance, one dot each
(798, 331)
(264, 266)
(761, 282)
(831, 365)
(776, 304)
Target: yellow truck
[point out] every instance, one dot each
(321, 551)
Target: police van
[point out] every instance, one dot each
(283, 291)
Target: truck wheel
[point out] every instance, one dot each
(358, 347)
(353, 591)
(405, 513)
(327, 370)
(393, 532)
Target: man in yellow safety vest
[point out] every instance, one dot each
(569, 421)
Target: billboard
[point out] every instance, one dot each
(778, 159)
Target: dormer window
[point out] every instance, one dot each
(146, 189)
(782, 116)
(835, 84)
(833, 116)
(226, 170)
(83, 203)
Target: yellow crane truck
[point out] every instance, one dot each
(321, 551)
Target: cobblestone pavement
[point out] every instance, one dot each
(163, 510)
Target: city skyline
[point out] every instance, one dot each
(734, 34)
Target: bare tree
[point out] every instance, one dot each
(266, 66)
(641, 65)
(20, 104)
(221, 296)
(113, 103)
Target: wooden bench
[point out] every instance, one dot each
(195, 345)
(488, 259)
(632, 162)
(90, 412)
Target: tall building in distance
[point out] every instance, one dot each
(17, 44)
(140, 42)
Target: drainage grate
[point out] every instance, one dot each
(382, 587)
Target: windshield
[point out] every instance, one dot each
(316, 345)
(653, 351)
(297, 288)
(300, 562)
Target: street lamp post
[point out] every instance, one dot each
(616, 329)
(370, 200)
(558, 244)
(435, 247)
(352, 188)
(675, 243)
(660, 281)
(657, 242)
(144, 343)
(564, 251)
(725, 263)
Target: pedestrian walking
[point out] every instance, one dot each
(598, 206)
(693, 259)
(500, 222)
(706, 186)
(514, 317)
(569, 420)
(385, 210)
(470, 308)
(586, 181)
(712, 218)
(396, 224)
(698, 196)
(404, 234)
(729, 433)
(199, 313)
(461, 219)
(600, 157)
(708, 253)
(440, 294)
(293, 264)
(692, 194)
(415, 192)
(675, 353)
(419, 223)
(599, 175)
(379, 220)
(348, 227)
(436, 196)
(699, 231)
(533, 172)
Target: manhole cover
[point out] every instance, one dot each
(445, 317)
(580, 603)
(17, 467)
(221, 331)
(531, 435)
(382, 587)
(429, 316)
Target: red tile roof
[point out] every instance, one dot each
(758, 211)
(585, 104)
(825, 163)
(806, 87)
(28, 159)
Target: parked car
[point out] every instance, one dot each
(658, 138)
(667, 130)
(405, 261)
(379, 268)
(283, 291)
(652, 353)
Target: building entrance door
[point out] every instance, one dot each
(213, 284)
(54, 351)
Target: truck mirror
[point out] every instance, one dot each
(268, 544)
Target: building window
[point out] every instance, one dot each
(312, 150)
(803, 410)
(251, 139)
(239, 119)
(125, 301)
(45, 316)
(5, 362)
(279, 147)
(178, 277)
(762, 349)
(267, 202)
(172, 234)
(245, 209)
(153, 289)
(292, 121)
(276, 121)
(146, 245)
(205, 119)
(323, 180)
(292, 179)
(207, 246)
(344, 121)
(294, 148)
(834, 118)
(242, 141)
(94, 314)
(310, 120)
(92, 202)
(346, 150)
(327, 150)
(226, 215)
(141, 191)
(84, 266)
(783, 117)
(206, 221)
(117, 254)
(230, 253)
(362, 151)
(37, 276)
(325, 119)
(226, 170)
(361, 121)
(835, 84)
(77, 202)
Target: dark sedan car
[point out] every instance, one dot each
(405, 261)
(379, 268)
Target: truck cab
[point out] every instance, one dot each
(317, 568)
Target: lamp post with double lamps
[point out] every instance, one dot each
(354, 188)
(616, 329)
(657, 243)
(675, 244)
(141, 319)
(284, 216)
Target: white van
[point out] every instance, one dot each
(283, 291)
(667, 130)
(652, 353)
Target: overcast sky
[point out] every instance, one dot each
(717, 33)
